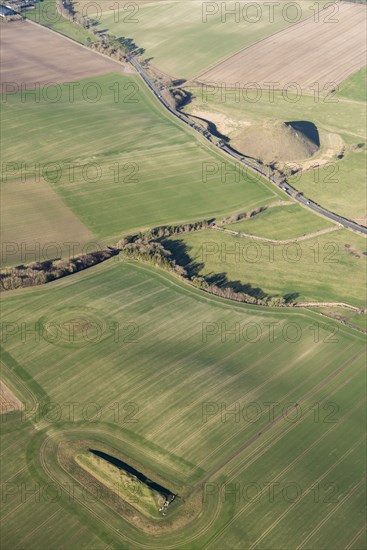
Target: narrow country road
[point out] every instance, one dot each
(286, 187)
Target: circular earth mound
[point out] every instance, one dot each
(278, 141)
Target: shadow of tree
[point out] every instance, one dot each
(291, 297)
(180, 253)
(221, 280)
(129, 46)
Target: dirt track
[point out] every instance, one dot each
(277, 241)
(325, 52)
(23, 48)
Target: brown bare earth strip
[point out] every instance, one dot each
(23, 46)
(8, 401)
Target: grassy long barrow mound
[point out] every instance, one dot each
(331, 48)
(179, 384)
(184, 38)
(117, 160)
(326, 268)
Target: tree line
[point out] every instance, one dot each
(148, 246)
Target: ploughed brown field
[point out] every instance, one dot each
(327, 51)
(8, 401)
(23, 47)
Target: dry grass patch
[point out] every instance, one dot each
(36, 225)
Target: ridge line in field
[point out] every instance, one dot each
(225, 59)
(65, 37)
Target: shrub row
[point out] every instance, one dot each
(38, 273)
(147, 246)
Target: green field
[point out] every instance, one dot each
(192, 42)
(327, 268)
(144, 394)
(355, 87)
(285, 222)
(350, 317)
(46, 14)
(338, 184)
(122, 163)
(253, 417)
(47, 224)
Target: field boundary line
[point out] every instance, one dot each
(106, 57)
(225, 59)
(278, 241)
(173, 281)
(220, 301)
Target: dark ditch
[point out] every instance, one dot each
(166, 493)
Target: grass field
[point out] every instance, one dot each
(193, 39)
(348, 316)
(355, 87)
(339, 185)
(47, 227)
(155, 394)
(253, 416)
(46, 14)
(285, 222)
(122, 163)
(327, 268)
